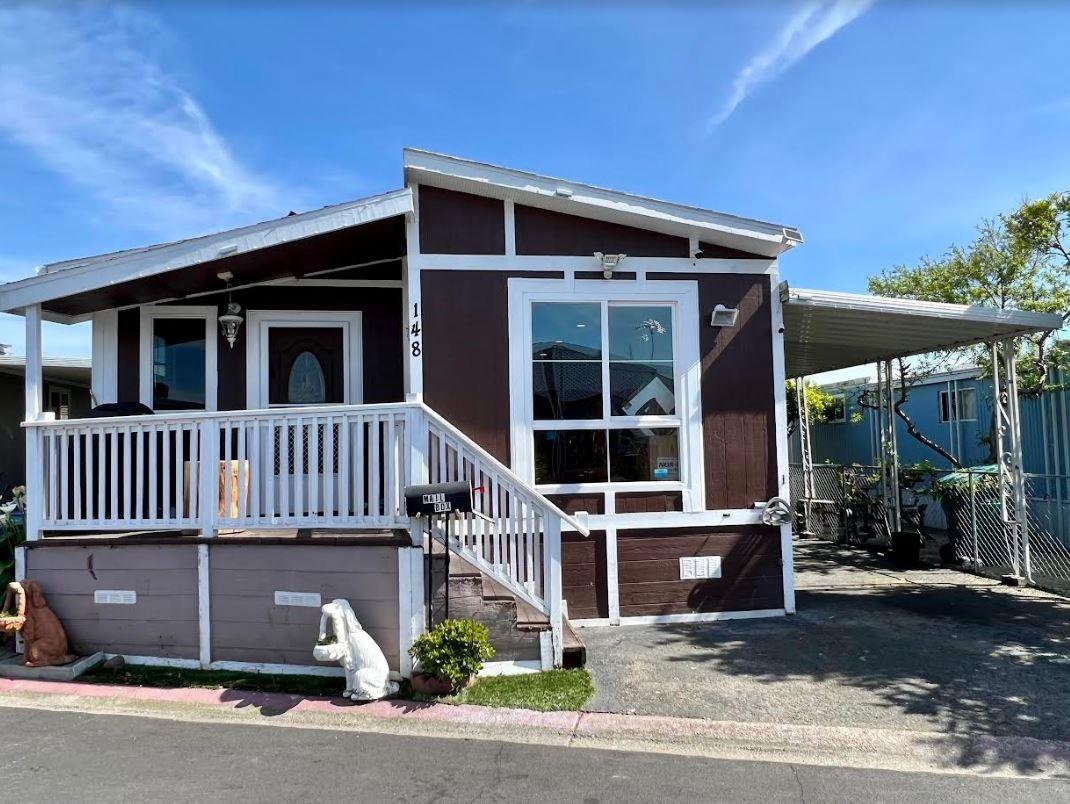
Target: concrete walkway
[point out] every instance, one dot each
(871, 647)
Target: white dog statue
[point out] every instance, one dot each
(367, 673)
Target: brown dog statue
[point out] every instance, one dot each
(44, 640)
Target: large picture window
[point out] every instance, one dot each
(604, 392)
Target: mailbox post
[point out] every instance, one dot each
(441, 500)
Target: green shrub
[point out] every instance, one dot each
(453, 650)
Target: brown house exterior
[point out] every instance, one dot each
(554, 343)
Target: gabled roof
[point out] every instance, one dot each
(88, 273)
(826, 330)
(453, 173)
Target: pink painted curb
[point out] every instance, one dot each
(277, 703)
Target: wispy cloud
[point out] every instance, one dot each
(85, 90)
(811, 25)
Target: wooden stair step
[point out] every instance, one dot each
(575, 652)
(492, 590)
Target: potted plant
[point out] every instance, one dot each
(449, 655)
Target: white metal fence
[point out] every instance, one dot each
(964, 508)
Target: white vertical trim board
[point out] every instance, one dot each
(204, 620)
(510, 228)
(780, 416)
(612, 571)
(105, 363)
(406, 634)
(209, 314)
(413, 318)
(258, 327)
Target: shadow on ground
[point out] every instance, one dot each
(965, 660)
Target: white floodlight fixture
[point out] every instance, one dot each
(724, 316)
(609, 262)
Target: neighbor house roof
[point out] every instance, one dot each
(826, 330)
(72, 370)
(746, 234)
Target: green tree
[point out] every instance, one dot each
(1019, 261)
(1016, 262)
(819, 405)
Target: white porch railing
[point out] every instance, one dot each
(322, 467)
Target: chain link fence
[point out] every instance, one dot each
(961, 510)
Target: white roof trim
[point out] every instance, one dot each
(827, 330)
(584, 199)
(60, 279)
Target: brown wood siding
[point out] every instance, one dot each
(739, 430)
(466, 351)
(715, 251)
(129, 355)
(617, 275)
(163, 621)
(247, 626)
(647, 502)
(460, 223)
(381, 336)
(542, 232)
(583, 574)
(648, 566)
(594, 503)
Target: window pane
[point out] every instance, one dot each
(178, 350)
(566, 331)
(641, 389)
(570, 456)
(640, 332)
(567, 390)
(644, 455)
(307, 385)
(967, 404)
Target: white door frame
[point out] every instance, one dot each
(256, 353)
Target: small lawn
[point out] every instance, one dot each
(550, 691)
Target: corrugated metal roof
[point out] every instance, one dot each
(825, 330)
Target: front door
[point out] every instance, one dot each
(301, 360)
(305, 366)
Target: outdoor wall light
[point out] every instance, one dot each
(724, 316)
(609, 262)
(231, 321)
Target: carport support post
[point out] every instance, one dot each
(807, 455)
(889, 451)
(1013, 507)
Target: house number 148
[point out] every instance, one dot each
(414, 330)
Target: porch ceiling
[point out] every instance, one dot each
(825, 330)
(352, 234)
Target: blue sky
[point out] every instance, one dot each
(884, 130)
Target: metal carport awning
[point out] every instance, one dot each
(826, 330)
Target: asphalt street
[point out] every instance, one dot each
(62, 756)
